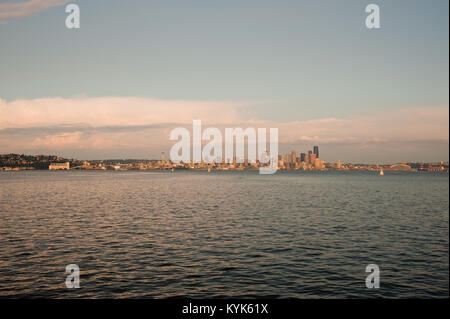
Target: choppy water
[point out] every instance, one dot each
(223, 234)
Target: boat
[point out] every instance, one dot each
(381, 172)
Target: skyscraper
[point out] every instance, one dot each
(316, 151)
(287, 159)
(302, 157)
(317, 164)
(293, 157)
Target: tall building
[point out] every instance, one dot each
(317, 163)
(316, 151)
(293, 157)
(302, 157)
(288, 159)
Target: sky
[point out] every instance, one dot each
(136, 69)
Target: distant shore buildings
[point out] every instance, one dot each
(59, 166)
(306, 161)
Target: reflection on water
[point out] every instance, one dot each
(240, 234)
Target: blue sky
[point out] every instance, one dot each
(285, 60)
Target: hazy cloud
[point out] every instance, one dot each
(107, 126)
(13, 10)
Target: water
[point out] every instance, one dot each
(225, 234)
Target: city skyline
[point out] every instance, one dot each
(293, 161)
(285, 160)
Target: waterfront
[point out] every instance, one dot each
(163, 234)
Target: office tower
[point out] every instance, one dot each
(293, 157)
(287, 159)
(317, 163)
(312, 158)
(316, 151)
(302, 157)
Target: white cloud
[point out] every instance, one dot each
(113, 111)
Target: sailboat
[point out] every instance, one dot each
(209, 169)
(381, 172)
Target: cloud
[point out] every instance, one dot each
(107, 123)
(14, 10)
(113, 111)
(122, 126)
(401, 125)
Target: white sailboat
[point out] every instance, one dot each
(381, 172)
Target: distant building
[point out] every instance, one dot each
(400, 167)
(302, 157)
(317, 163)
(288, 159)
(57, 166)
(316, 151)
